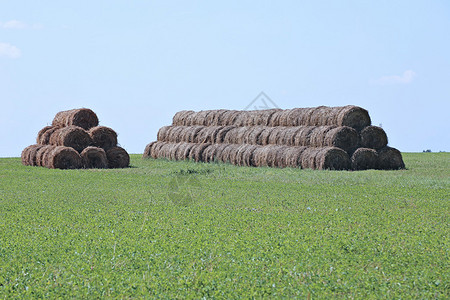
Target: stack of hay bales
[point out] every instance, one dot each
(336, 138)
(75, 140)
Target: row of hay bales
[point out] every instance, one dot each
(343, 137)
(350, 115)
(75, 140)
(319, 138)
(331, 158)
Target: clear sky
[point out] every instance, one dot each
(136, 63)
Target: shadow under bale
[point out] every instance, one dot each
(94, 157)
(364, 159)
(71, 136)
(81, 117)
(117, 158)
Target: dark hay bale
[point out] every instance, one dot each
(179, 119)
(203, 135)
(317, 137)
(352, 116)
(208, 154)
(293, 156)
(82, 117)
(343, 137)
(197, 152)
(93, 158)
(259, 157)
(279, 160)
(172, 155)
(303, 136)
(43, 137)
(227, 153)
(117, 158)
(148, 150)
(61, 157)
(364, 159)
(162, 133)
(41, 132)
(219, 151)
(332, 158)
(272, 155)
(390, 159)
(154, 150)
(32, 152)
(247, 156)
(103, 137)
(373, 137)
(238, 159)
(71, 136)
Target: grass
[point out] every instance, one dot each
(191, 230)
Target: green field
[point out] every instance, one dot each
(191, 230)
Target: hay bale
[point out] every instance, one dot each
(190, 119)
(293, 156)
(284, 117)
(71, 136)
(275, 118)
(259, 157)
(61, 157)
(41, 155)
(275, 135)
(343, 137)
(162, 133)
(154, 150)
(303, 136)
(265, 116)
(263, 138)
(279, 160)
(44, 135)
(253, 135)
(117, 158)
(332, 158)
(94, 158)
(351, 116)
(317, 136)
(373, 137)
(390, 159)
(227, 153)
(103, 137)
(287, 137)
(221, 134)
(196, 152)
(25, 155)
(364, 159)
(82, 117)
(242, 118)
(148, 150)
(179, 119)
(308, 158)
(209, 153)
(31, 153)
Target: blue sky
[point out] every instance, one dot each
(136, 63)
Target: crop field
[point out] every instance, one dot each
(176, 229)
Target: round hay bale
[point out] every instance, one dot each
(227, 153)
(317, 114)
(209, 153)
(373, 137)
(265, 116)
(275, 135)
(190, 119)
(190, 133)
(390, 159)
(304, 116)
(117, 158)
(61, 157)
(240, 134)
(332, 158)
(247, 156)
(280, 159)
(82, 117)
(317, 137)
(231, 136)
(202, 136)
(94, 158)
(25, 155)
(284, 117)
(287, 137)
(44, 135)
(242, 118)
(184, 153)
(41, 155)
(271, 155)
(41, 132)
(353, 116)
(259, 155)
(253, 135)
(162, 133)
(343, 137)
(197, 152)
(239, 155)
(303, 136)
(213, 118)
(71, 136)
(164, 151)
(275, 118)
(179, 119)
(308, 158)
(293, 156)
(221, 133)
(293, 116)
(154, 149)
(148, 150)
(32, 152)
(199, 118)
(103, 137)
(364, 159)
